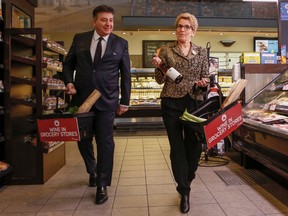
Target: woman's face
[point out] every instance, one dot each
(184, 31)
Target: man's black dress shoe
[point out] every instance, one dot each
(184, 204)
(92, 180)
(101, 195)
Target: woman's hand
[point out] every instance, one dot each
(203, 82)
(156, 61)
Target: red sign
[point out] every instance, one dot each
(60, 129)
(223, 125)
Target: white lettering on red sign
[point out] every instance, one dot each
(62, 129)
(223, 125)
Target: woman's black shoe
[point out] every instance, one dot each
(184, 204)
(101, 195)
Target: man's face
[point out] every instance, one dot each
(104, 23)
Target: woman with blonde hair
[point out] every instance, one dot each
(191, 62)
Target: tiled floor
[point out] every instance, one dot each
(142, 186)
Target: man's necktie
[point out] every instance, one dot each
(98, 51)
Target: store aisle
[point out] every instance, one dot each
(143, 186)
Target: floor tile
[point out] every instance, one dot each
(61, 204)
(165, 210)
(142, 211)
(230, 196)
(32, 205)
(131, 190)
(161, 189)
(206, 210)
(164, 199)
(93, 212)
(142, 185)
(158, 172)
(132, 181)
(55, 213)
(159, 180)
(238, 208)
(201, 198)
(133, 173)
(130, 201)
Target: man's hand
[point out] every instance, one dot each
(71, 89)
(122, 109)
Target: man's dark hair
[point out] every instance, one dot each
(102, 8)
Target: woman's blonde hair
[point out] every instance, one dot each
(187, 16)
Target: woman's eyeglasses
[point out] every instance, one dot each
(186, 27)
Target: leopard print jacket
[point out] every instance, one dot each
(193, 67)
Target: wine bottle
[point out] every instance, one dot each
(171, 72)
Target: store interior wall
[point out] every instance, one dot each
(244, 42)
(62, 22)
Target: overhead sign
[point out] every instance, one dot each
(60, 129)
(223, 125)
(284, 11)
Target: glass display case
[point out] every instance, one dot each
(264, 135)
(145, 90)
(145, 109)
(269, 108)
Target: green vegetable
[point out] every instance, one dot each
(186, 116)
(73, 109)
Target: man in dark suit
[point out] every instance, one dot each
(96, 60)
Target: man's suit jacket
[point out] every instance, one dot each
(104, 77)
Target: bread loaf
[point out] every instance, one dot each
(89, 102)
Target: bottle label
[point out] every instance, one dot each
(212, 94)
(173, 73)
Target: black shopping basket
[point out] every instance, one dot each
(65, 127)
(219, 124)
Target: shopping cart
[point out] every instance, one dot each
(221, 121)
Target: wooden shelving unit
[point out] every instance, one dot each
(24, 69)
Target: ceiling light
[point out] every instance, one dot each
(261, 0)
(227, 43)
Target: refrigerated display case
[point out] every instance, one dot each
(258, 76)
(145, 109)
(263, 137)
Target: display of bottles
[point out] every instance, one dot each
(171, 72)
